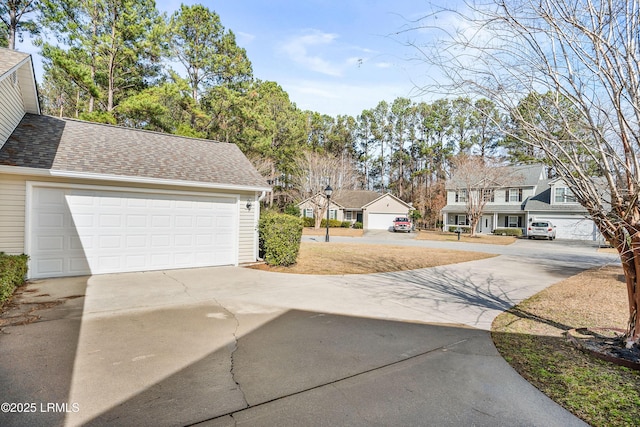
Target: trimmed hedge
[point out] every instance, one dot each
(517, 232)
(309, 221)
(13, 269)
(280, 236)
(333, 223)
(463, 228)
(357, 225)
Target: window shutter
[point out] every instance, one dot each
(506, 195)
(506, 221)
(519, 221)
(519, 198)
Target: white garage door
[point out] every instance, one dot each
(574, 228)
(78, 231)
(382, 221)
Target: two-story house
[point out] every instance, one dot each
(531, 197)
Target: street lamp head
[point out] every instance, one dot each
(328, 191)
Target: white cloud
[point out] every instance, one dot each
(339, 99)
(244, 38)
(384, 64)
(298, 49)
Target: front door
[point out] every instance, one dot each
(486, 224)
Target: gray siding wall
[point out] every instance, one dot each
(11, 107)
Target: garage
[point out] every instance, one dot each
(79, 231)
(576, 229)
(382, 221)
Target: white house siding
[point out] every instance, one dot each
(13, 200)
(11, 108)
(247, 232)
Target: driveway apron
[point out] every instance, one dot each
(235, 346)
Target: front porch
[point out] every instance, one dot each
(488, 222)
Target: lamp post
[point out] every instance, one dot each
(327, 192)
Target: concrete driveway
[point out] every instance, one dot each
(233, 346)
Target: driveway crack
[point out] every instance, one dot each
(232, 369)
(185, 288)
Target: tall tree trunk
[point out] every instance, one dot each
(113, 52)
(629, 249)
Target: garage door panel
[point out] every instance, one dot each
(50, 266)
(78, 265)
(50, 243)
(574, 228)
(52, 220)
(88, 232)
(381, 221)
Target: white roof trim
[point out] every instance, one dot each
(14, 68)
(27, 61)
(19, 170)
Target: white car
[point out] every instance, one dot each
(543, 229)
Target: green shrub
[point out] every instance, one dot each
(517, 232)
(463, 228)
(357, 225)
(280, 238)
(332, 223)
(345, 224)
(292, 209)
(13, 269)
(308, 221)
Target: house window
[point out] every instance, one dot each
(514, 195)
(333, 214)
(461, 220)
(564, 195)
(348, 216)
(488, 195)
(308, 213)
(461, 196)
(513, 221)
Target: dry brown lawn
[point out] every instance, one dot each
(594, 298)
(335, 231)
(479, 238)
(355, 258)
(531, 338)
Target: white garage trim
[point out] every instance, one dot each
(381, 220)
(35, 172)
(87, 229)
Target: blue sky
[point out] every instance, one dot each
(331, 56)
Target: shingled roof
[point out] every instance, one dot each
(66, 145)
(10, 58)
(355, 199)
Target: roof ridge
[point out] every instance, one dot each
(154, 132)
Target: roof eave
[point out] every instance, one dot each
(33, 89)
(19, 170)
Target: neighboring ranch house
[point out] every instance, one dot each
(84, 198)
(374, 210)
(531, 197)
